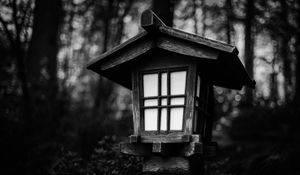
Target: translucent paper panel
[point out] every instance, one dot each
(176, 118)
(163, 101)
(152, 102)
(163, 119)
(178, 80)
(150, 116)
(164, 84)
(198, 86)
(150, 83)
(177, 101)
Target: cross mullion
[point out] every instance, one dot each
(159, 101)
(167, 106)
(163, 96)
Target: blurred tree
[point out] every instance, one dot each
(81, 38)
(195, 16)
(165, 10)
(297, 54)
(285, 34)
(112, 18)
(16, 21)
(20, 21)
(229, 15)
(249, 42)
(42, 57)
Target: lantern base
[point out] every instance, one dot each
(172, 157)
(184, 149)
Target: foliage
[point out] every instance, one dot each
(106, 160)
(264, 141)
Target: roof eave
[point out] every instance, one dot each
(122, 46)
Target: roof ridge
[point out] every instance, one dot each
(197, 38)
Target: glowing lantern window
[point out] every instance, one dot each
(164, 94)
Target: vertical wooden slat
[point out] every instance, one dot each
(168, 100)
(136, 103)
(202, 107)
(209, 118)
(190, 98)
(159, 101)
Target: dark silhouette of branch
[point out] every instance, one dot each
(195, 7)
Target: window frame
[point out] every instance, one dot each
(159, 98)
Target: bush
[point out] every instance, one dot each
(106, 160)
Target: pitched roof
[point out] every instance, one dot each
(158, 35)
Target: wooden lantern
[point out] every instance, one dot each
(171, 74)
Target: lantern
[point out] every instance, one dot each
(171, 74)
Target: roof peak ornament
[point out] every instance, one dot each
(149, 20)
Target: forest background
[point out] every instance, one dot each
(56, 117)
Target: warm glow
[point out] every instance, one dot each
(176, 119)
(150, 116)
(177, 83)
(164, 84)
(150, 85)
(151, 102)
(177, 101)
(163, 119)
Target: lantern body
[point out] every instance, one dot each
(170, 98)
(164, 90)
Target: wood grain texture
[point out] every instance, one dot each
(180, 46)
(190, 99)
(198, 39)
(157, 147)
(136, 104)
(165, 138)
(130, 53)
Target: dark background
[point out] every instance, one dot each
(58, 118)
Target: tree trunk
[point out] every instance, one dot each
(297, 52)
(249, 53)
(203, 6)
(23, 77)
(273, 76)
(42, 53)
(284, 48)
(195, 7)
(98, 103)
(164, 10)
(228, 20)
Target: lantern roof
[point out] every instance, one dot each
(218, 60)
